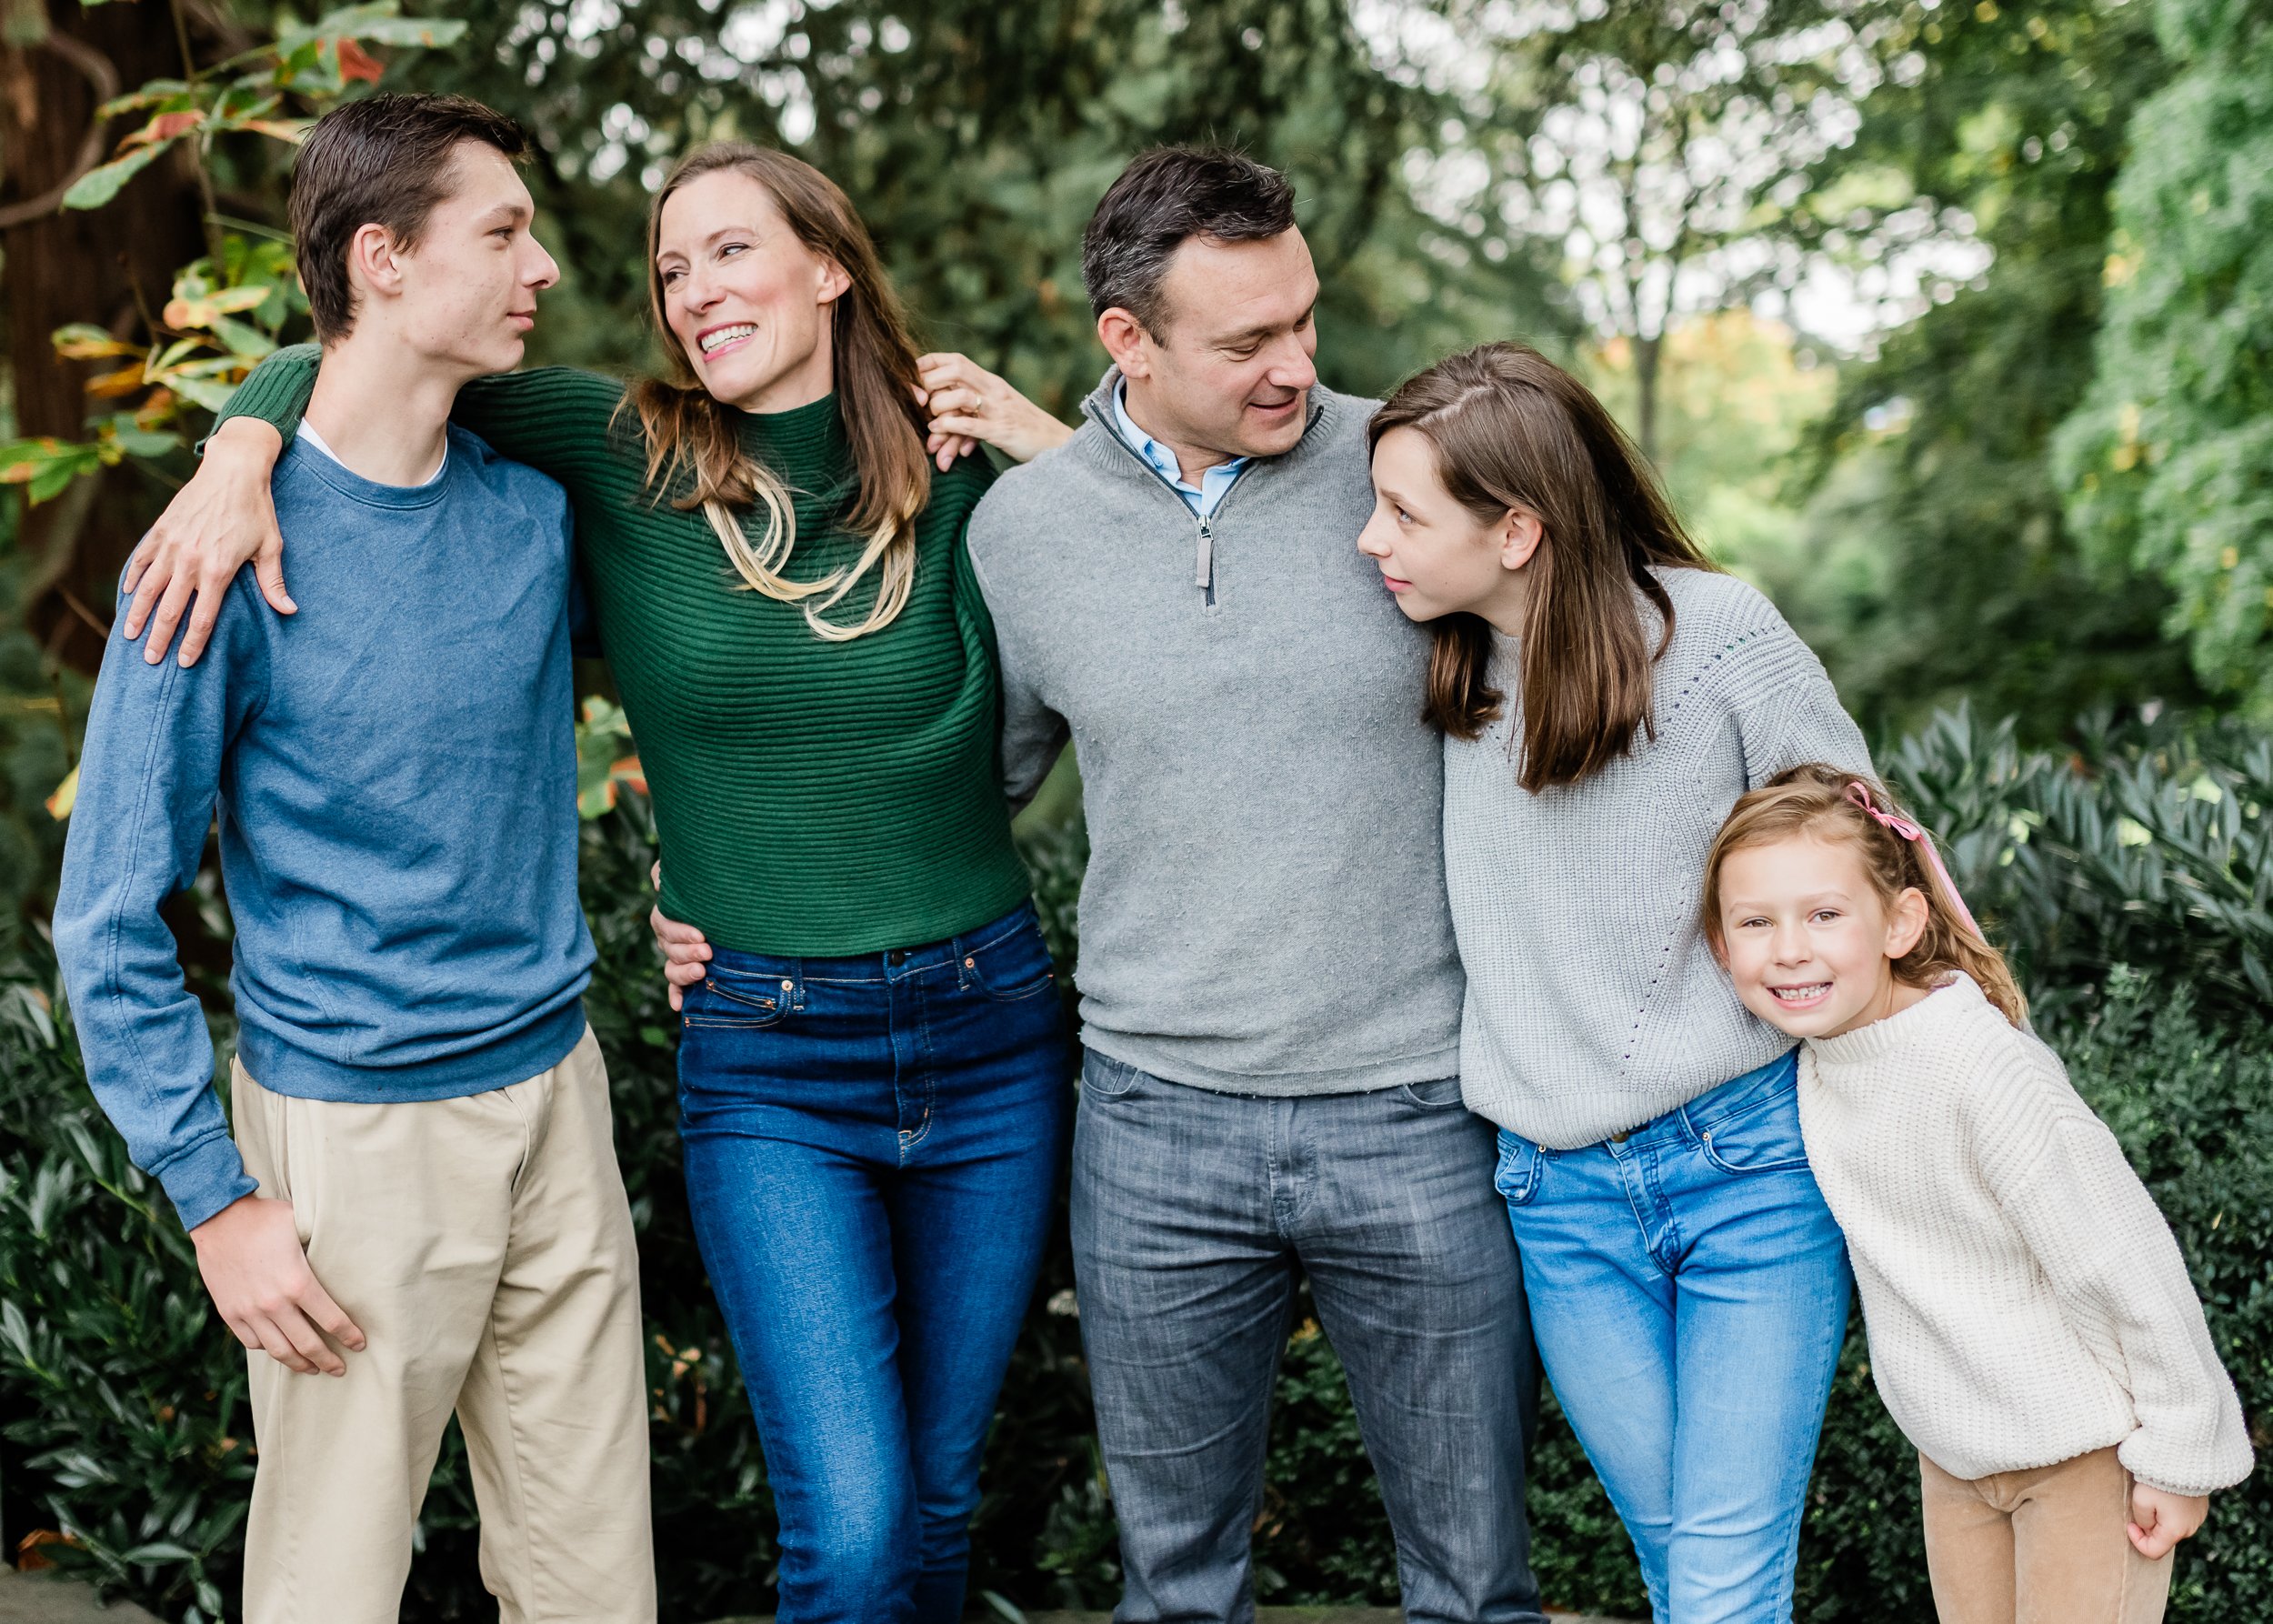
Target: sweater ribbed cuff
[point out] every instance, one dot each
(204, 1179)
(276, 393)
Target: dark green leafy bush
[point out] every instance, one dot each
(2129, 880)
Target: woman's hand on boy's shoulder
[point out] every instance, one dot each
(2159, 1520)
(221, 519)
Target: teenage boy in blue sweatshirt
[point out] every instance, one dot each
(420, 1210)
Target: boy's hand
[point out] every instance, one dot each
(258, 1275)
(684, 949)
(2159, 1520)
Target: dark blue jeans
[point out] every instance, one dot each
(872, 1152)
(1193, 1215)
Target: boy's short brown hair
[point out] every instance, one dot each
(385, 160)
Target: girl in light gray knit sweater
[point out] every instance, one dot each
(2032, 1326)
(1606, 696)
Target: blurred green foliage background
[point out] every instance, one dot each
(1950, 324)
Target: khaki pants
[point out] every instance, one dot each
(485, 1246)
(2042, 1547)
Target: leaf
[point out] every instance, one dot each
(138, 441)
(83, 341)
(45, 466)
(154, 93)
(53, 480)
(165, 127)
(97, 187)
(356, 63)
(124, 381)
(243, 340)
(380, 24)
(211, 395)
(66, 795)
(291, 130)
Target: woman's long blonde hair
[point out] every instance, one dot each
(1817, 802)
(692, 440)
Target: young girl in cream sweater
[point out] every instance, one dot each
(2032, 1327)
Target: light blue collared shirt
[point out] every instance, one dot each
(1201, 498)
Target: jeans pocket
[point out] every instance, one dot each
(1438, 1094)
(1762, 1138)
(1014, 966)
(1106, 1080)
(738, 998)
(1517, 1176)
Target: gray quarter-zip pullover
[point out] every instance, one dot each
(1265, 909)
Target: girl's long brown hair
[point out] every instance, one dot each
(692, 441)
(1511, 429)
(1812, 802)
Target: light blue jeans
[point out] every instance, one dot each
(1688, 1291)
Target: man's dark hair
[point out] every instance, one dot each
(1165, 197)
(385, 160)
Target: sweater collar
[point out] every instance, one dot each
(1958, 996)
(1100, 442)
(802, 443)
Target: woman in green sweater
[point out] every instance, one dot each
(873, 1067)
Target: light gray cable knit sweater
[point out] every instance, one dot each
(2027, 1303)
(1264, 911)
(1594, 1003)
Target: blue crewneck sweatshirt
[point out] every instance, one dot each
(395, 772)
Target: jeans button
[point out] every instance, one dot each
(897, 956)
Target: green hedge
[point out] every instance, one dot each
(2130, 878)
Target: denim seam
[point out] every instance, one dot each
(1645, 1171)
(1008, 931)
(922, 1056)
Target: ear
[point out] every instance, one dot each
(1906, 921)
(375, 260)
(833, 284)
(1520, 537)
(1126, 340)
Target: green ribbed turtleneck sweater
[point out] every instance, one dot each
(813, 798)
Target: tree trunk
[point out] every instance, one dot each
(106, 265)
(1648, 352)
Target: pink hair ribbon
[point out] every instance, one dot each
(1859, 793)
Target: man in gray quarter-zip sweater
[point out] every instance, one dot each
(1270, 991)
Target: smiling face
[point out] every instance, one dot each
(1435, 553)
(1230, 373)
(1808, 940)
(750, 305)
(464, 293)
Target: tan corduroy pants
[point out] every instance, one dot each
(485, 1246)
(2042, 1547)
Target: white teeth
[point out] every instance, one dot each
(725, 335)
(1800, 995)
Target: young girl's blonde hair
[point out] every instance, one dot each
(1823, 803)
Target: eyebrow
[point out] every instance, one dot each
(1256, 334)
(513, 213)
(662, 254)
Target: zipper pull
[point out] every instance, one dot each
(1206, 564)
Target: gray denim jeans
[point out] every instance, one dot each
(1195, 1215)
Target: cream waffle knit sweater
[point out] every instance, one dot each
(2026, 1301)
